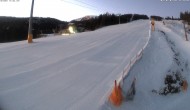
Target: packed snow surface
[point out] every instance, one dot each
(77, 72)
(69, 73)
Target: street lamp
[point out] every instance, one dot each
(30, 36)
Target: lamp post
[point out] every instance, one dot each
(30, 35)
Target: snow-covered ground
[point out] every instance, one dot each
(70, 73)
(77, 72)
(167, 52)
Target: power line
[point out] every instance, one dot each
(83, 6)
(86, 3)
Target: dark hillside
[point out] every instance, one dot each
(16, 29)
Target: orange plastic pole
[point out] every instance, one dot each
(152, 25)
(116, 96)
(30, 37)
(120, 97)
(185, 85)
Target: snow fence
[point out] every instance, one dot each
(114, 94)
(133, 60)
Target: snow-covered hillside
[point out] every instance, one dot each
(85, 18)
(77, 72)
(67, 73)
(166, 54)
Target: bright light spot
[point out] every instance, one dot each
(71, 30)
(65, 34)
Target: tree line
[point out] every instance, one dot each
(107, 19)
(16, 29)
(185, 16)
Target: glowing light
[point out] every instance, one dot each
(65, 34)
(71, 30)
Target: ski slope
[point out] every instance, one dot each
(67, 73)
(166, 53)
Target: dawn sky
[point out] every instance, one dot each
(67, 10)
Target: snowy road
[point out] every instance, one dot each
(67, 73)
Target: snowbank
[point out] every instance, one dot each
(158, 59)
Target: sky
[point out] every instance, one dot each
(67, 10)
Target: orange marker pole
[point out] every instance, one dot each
(30, 35)
(116, 96)
(152, 25)
(185, 85)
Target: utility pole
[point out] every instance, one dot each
(30, 35)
